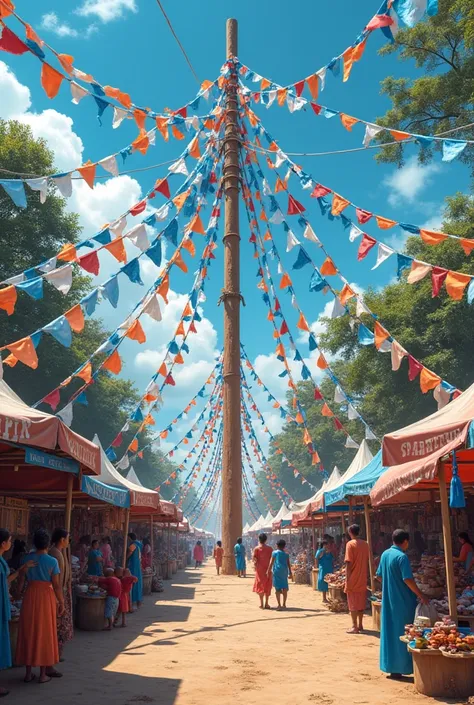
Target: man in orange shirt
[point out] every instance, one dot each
(357, 565)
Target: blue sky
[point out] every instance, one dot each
(127, 44)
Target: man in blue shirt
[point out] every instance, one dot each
(399, 593)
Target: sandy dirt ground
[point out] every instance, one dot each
(204, 641)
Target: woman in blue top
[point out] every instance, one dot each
(325, 561)
(281, 567)
(94, 560)
(240, 564)
(37, 643)
(467, 552)
(5, 579)
(134, 564)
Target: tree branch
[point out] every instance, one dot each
(431, 117)
(429, 51)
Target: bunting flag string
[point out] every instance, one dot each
(387, 19)
(335, 210)
(112, 236)
(275, 485)
(247, 491)
(381, 337)
(207, 484)
(451, 148)
(104, 96)
(201, 462)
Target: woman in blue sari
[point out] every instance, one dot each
(134, 564)
(240, 564)
(325, 561)
(5, 579)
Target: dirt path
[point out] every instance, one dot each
(205, 642)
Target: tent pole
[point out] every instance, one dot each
(67, 518)
(368, 532)
(343, 523)
(351, 512)
(152, 543)
(125, 534)
(448, 551)
(313, 531)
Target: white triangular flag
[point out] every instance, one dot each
(271, 98)
(63, 184)
(360, 306)
(354, 232)
(418, 273)
(291, 241)
(256, 78)
(138, 236)
(277, 218)
(398, 353)
(309, 234)
(48, 266)
(339, 396)
(369, 435)
(351, 443)
(266, 188)
(152, 136)
(77, 92)
(338, 309)
(119, 116)
(280, 268)
(17, 279)
(294, 302)
(118, 226)
(110, 165)
(162, 213)
(386, 346)
(153, 389)
(179, 167)
(41, 185)
(280, 159)
(441, 395)
(123, 463)
(152, 308)
(87, 78)
(195, 122)
(383, 253)
(61, 278)
(66, 415)
(352, 413)
(370, 132)
(202, 297)
(321, 74)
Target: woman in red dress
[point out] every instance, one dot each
(262, 556)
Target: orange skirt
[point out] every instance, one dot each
(357, 601)
(37, 643)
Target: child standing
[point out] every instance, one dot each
(127, 581)
(114, 590)
(218, 553)
(281, 567)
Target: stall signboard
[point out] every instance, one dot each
(53, 462)
(105, 493)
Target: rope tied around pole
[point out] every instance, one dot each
(226, 294)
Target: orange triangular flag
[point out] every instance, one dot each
(380, 334)
(188, 245)
(113, 363)
(338, 204)
(315, 459)
(328, 267)
(188, 311)
(8, 298)
(24, 350)
(285, 281)
(163, 371)
(302, 323)
(346, 294)
(313, 85)
(142, 142)
(140, 118)
(180, 200)
(280, 185)
(86, 373)
(196, 226)
(178, 260)
(50, 80)
(321, 363)
(164, 288)
(428, 380)
(265, 83)
(348, 59)
(162, 125)
(348, 121)
(177, 134)
(87, 171)
(119, 95)
(10, 360)
(326, 411)
(399, 136)
(467, 245)
(455, 284)
(431, 238)
(180, 329)
(75, 317)
(385, 223)
(281, 96)
(358, 50)
(179, 359)
(136, 332)
(149, 420)
(66, 62)
(133, 445)
(68, 253)
(194, 150)
(117, 249)
(306, 437)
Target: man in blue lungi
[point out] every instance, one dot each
(399, 593)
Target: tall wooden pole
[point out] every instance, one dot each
(125, 537)
(368, 532)
(231, 451)
(448, 549)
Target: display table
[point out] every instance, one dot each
(314, 578)
(376, 613)
(147, 580)
(90, 613)
(441, 675)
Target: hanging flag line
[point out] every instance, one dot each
(51, 78)
(387, 18)
(451, 148)
(213, 509)
(313, 343)
(248, 497)
(273, 486)
(209, 472)
(340, 203)
(273, 440)
(111, 236)
(112, 362)
(382, 338)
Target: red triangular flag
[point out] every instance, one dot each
(438, 275)
(363, 216)
(90, 263)
(53, 399)
(414, 368)
(320, 191)
(294, 206)
(162, 186)
(365, 246)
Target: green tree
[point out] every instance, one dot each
(442, 97)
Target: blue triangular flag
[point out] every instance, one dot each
(89, 302)
(33, 287)
(365, 336)
(61, 330)
(15, 188)
(456, 490)
(452, 149)
(110, 290)
(302, 259)
(154, 252)
(132, 270)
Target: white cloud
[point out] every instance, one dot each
(106, 10)
(105, 202)
(51, 22)
(16, 98)
(435, 221)
(407, 183)
(56, 129)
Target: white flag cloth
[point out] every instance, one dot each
(351, 443)
(386, 346)
(398, 353)
(40, 185)
(442, 396)
(277, 218)
(418, 273)
(63, 184)
(369, 435)
(162, 213)
(48, 266)
(179, 167)
(153, 389)
(61, 278)
(271, 98)
(110, 165)
(309, 234)
(354, 232)
(280, 159)
(17, 279)
(339, 396)
(337, 310)
(280, 268)
(77, 92)
(66, 414)
(291, 241)
(123, 463)
(266, 188)
(152, 308)
(361, 307)
(138, 236)
(119, 116)
(321, 74)
(352, 413)
(383, 253)
(118, 226)
(370, 132)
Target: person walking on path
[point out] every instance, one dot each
(198, 554)
(399, 593)
(134, 564)
(240, 564)
(325, 561)
(262, 555)
(218, 553)
(357, 567)
(280, 566)
(37, 643)
(59, 544)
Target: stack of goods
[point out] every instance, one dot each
(147, 571)
(444, 636)
(337, 605)
(75, 570)
(91, 590)
(465, 603)
(337, 579)
(431, 575)
(157, 584)
(302, 569)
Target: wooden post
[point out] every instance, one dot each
(152, 542)
(351, 512)
(125, 536)
(448, 551)
(368, 532)
(177, 541)
(231, 297)
(68, 512)
(343, 523)
(313, 532)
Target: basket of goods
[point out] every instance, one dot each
(147, 578)
(336, 582)
(301, 570)
(337, 606)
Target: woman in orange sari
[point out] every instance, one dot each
(37, 632)
(218, 553)
(262, 556)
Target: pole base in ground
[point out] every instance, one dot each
(228, 565)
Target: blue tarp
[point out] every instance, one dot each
(118, 496)
(359, 484)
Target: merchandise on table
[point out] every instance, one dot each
(302, 567)
(337, 579)
(465, 603)
(445, 636)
